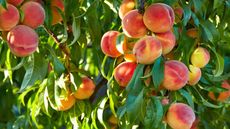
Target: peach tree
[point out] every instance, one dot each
(154, 64)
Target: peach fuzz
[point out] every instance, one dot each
(123, 73)
(223, 95)
(133, 25)
(180, 116)
(194, 75)
(15, 2)
(56, 16)
(168, 41)
(147, 50)
(66, 102)
(126, 6)
(22, 40)
(34, 14)
(9, 17)
(108, 44)
(200, 57)
(86, 89)
(193, 33)
(159, 18)
(176, 75)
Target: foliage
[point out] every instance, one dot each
(29, 88)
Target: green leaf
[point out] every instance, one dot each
(36, 69)
(219, 60)
(76, 30)
(134, 106)
(187, 96)
(187, 15)
(59, 68)
(158, 72)
(100, 111)
(159, 113)
(119, 42)
(3, 3)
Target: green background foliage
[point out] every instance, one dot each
(28, 89)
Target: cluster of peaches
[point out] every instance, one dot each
(85, 90)
(18, 21)
(147, 37)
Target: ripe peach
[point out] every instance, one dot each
(86, 89)
(159, 18)
(223, 95)
(176, 75)
(180, 116)
(147, 50)
(168, 41)
(108, 44)
(123, 73)
(126, 6)
(193, 33)
(200, 57)
(9, 17)
(22, 40)
(34, 14)
(15, 2)
(194, 75)
(133, 25)
(56, 16)
(66, 102)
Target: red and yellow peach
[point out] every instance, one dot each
(200, 57)
(55, 6)
(133, 25)
(180, 116)
(123, 73)
(34, 14)
(168, 41)
(9, 17)
(66, 102)
(159, 18)
(194, 75)
(15, 2)
(147, 50)
(22, 40)
(126, 6)
(176, 75)
(108, 44)
(86, 89)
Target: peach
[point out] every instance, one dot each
(123, 73)
(9, 17)
(86, 89)
(108, 44)
(176, 75)
(126, 6)
(223, 95)
(168, 41)
(194, 75)
(179, 14)
(66, 102)
(159, 18)
(180, 116)
(165, 101)
(200, 57)
(34, 14)
(55, 6)
(193, 33)
(133, 25)
(147, 50)
(22, 40)
(15, 2)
